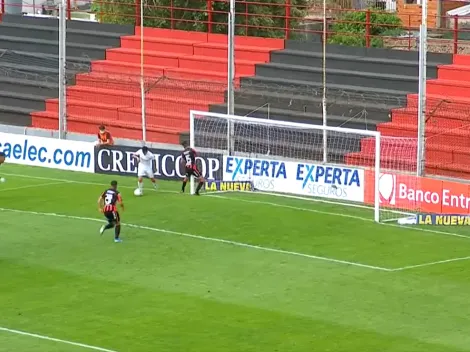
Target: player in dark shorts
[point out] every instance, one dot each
(107, 203)
(191, 169)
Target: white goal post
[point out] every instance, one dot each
(287, 158)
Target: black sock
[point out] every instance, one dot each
(109, 226)
(199, 186)
(117, 231)
(184, 186)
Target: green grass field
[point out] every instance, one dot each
(218, 273)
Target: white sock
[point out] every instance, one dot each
(155, 185)
(140, 185)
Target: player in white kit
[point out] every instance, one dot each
(145, 159)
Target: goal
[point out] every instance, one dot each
(355, 168)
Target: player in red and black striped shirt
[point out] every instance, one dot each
(107, 203)
(191, 169)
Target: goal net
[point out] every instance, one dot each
(355, 168)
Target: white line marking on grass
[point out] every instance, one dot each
(64, 180)
(263, 202)
(431, 263)
(212, 239)
(32, 186)
(42, 337)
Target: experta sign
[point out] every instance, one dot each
(48, 152)
(118, 160)
(419, 194)
(328, 181)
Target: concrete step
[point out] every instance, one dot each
(252, 53)
(79, 64)
(340, 77)
(449, 88)
(24, 101)
(351, 63)
(126, 68)
(389, 97)
(28, 71)
(15, 116)
(33, 87)
(52, 33)
(305, 102)
(459, 138)
(378, 53)
(445, 123)
(309, 118)
(52, 47)
(155, 58)
(164, 44)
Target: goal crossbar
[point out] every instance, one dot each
(261, 121)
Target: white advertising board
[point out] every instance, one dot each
(306, 179)
(48, 152)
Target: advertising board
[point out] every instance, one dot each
(117, 160)
(419, 194)
(306, 179)
(48, 152)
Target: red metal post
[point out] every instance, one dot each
(3, 6)
(209, 16)
(287, 19)
(456, 34)
(368, 29)
(69, 10)
(137, 13)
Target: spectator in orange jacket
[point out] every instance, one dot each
(104, 137)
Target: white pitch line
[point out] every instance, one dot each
(431, 263)
(212, 239)
(42, 337)
(32, 186)
(413, 228)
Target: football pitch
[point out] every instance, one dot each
(224, 272)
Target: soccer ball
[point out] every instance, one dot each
(138, 192)
(2, 179)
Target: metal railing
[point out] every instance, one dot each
(348, 23)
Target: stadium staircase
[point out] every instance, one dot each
(447, 129)
(183, 71)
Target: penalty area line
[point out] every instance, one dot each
(431, 263)
(43, 337)
(33, 186)
(211, 239)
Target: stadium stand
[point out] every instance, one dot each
(29, 60)
(367, 88)
(183, 70)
